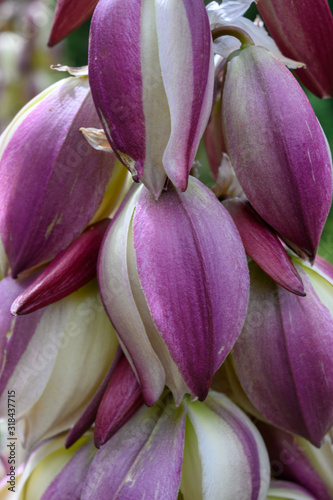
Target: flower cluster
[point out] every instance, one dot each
(160, 338)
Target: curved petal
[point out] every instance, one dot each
(284, 357)
(68, 483)
(71, 347)
(282, 163)
(69, 15)
(229, 10)
(143, 460)
(193, 273)
(295, 459)
(291, 491)
(72, 268)
(187, 65)
(224, 456)
(263, 246)
(304, 34)
(117, 297)
(122, 398)
(119, 102)
(44, 151)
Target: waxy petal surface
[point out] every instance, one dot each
(118, 300)
(304, 34)
(143, 460)
(165, 47)
(69, 482)
(297, 460)
(291, 491)
(72, 268)
(193, 273)
(187, 65)
(263, 246)
(122, 398)
(284, 357)
(71, 347)
(277, 148)
(224, 456)
(69, 15)
(44, 151)
(229, 14)
(87, 418)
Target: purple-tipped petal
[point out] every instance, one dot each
(71, 346)
(263, 246)
(166, 48)
(286, 489)
(304, 33)
(213, 139)
(224, 455)
(69, 15)
(44, 151)
(284, 357)
(289, 460)
(88, 417)
(22, 330)
(277, 148)
(117, 297)
(187, 65)
(68, 484)
(324, 267)
(122, 398)
(119, 102)
(73, 268)
(143, 460)
(193, 273)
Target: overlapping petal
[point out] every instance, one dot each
(224, 455)
(73, 268)
(304, 33)
(69, 344)
(263, 246)
(165, 47)
(122, 398)
(52, 472)
(229, 13)
(284, 357)
(296, 459)
(69, 15)
(44, 154)
(286, 489)
(174, 281)
(277, 147)
(143, 459)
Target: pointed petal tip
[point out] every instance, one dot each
(15, 308)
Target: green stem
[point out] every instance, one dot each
(234, 31)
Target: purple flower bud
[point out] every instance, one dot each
(224, 455)
(68, 345)
(305, 34)
(283, 357)
(263, 246)
(174, 280)
(69, 15)
(73, 268)
(122, 398)
(50, 186)
(143, 459)
(277, 147)
(151, 72)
